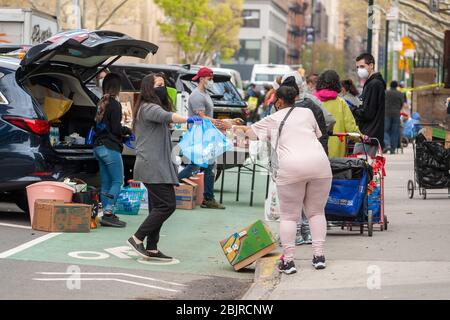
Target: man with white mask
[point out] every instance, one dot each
(370, 115)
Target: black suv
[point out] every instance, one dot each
(60, 66)
(227, 100)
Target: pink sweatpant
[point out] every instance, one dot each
(313, 196)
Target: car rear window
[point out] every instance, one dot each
(222, 91)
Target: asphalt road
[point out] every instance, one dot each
(33, 280)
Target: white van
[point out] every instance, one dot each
(267, 73)
(235, 79)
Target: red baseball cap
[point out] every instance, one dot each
(203, 72)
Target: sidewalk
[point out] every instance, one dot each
(409, 261)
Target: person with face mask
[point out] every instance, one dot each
(200, 104)
(302, 173)
(370, 115)
(152, 115)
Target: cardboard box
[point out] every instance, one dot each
(245, 247)
(57, 216)
(128, 100)
(186, 194)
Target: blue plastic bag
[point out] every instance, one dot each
(346, 197)
(375, 204)
(203, 143)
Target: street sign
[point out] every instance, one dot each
(393, 14)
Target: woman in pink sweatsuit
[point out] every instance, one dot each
(303, 174)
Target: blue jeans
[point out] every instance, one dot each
(209, 178)
(392, 132)
(111, 175)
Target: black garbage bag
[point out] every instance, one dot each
(91, 197)
(431, 178)
(350, 168)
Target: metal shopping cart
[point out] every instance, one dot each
(431, 165)
(357, 192)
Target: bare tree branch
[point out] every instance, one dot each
(112, 13)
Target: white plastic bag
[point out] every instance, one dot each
(272, 205)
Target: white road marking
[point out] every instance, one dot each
(158, 262)
(108, 279)
(27, 245)
(18, 226)
(95, 255)
(110, 274)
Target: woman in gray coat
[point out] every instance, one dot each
(152, 116)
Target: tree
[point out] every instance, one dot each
(321, 56)
(202, 28)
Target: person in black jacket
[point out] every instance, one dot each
(370, 115)
(108, 148)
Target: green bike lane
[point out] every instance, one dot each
(191, 237)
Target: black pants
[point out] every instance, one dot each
(162, 204)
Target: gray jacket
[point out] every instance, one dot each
(154, 163)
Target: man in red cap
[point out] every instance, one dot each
(200, 104)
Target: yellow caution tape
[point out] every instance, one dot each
(423, 88)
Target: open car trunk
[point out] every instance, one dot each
(78, 119)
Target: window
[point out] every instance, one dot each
(277, 54)
(277, 25)
(249, 53)
(3, 99)
(251, 18)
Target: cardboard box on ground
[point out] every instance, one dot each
(245, 247)
(57, 216)
(186, 195)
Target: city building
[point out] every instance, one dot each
(296, 30)
(263, 36)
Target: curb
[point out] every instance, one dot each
(266, 278)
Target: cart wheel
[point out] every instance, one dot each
(386, 222)
(424, 194)
(411, 189)
(370, 223)
(361, 229)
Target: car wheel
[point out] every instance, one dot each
(21, 200)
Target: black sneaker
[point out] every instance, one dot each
(287, 267)
(158, 256)
(138, 248)
(112, 221)
(319, 263)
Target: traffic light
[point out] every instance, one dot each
(310, 35)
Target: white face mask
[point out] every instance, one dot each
(363, 73)
(210, 85)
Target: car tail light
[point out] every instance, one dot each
(41, 127)
(42, 174)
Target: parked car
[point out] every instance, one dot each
(235, 79)
(55, 66)
(228, 102)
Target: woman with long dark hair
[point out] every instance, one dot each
(108, 148)
(154, 166)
